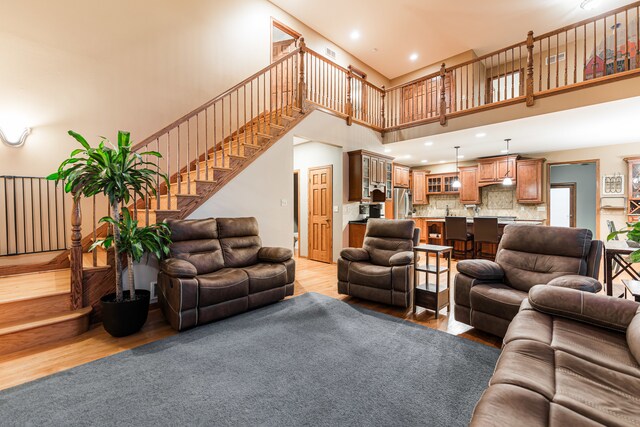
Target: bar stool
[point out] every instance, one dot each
(455, 230)
(485, 230)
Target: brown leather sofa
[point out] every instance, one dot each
(219, 268)
(488, 294)
(570, 358)
(382, 270)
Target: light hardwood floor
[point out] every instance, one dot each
(311, 276)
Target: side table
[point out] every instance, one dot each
(432, 295)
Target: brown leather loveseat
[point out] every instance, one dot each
(488, 294)
(382, 270)
(219, 268)
(569, 358)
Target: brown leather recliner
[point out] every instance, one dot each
(382, 270)
(488, 294)
(569, 358)
(219, 268)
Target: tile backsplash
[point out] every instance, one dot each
(496, 201)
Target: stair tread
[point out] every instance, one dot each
(20, 287)
(36, 322)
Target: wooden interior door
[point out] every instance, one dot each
(321, 214)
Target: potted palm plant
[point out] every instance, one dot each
(117, 172)
(632, 230)
(124, 319)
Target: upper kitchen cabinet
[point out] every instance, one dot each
(469, 189)
(400, 176)
(494, 169)
(441, 183)
(529, 187)
(418, 192)
(633, 208)
(369, 176)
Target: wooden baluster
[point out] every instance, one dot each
(158, 176)
(575, 54)
(529, 91)
(548, 63)
(179, 190)
(349, 101)
(540, 68)
(169, 169)
(626, 39)
(221, 132)
(302, 86)
(604, 35)
(76, 254)
(206, 144)
(557, 60)
(443, 98)
(188, 156)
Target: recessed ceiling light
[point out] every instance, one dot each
(589, 4)
(461, 156)
(408, 156)
(504, 151)
(442, 161)
(480, 135)
(355, 35)
(387, 150)
(413, 56)
(423, 161)
(428, 143)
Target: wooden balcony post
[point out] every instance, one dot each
(443, 96)
(76, 255)
(529, 86)
(349, 100)
(382, 119)
(302, 84)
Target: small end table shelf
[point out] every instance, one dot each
(431, 295)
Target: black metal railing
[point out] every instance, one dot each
(33, 216)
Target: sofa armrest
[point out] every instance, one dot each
(481, 269)
(274, 254)
(176, 267)
(599, 310)
(355, 254)
(580, 283)
(401, 258)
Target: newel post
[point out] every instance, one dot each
(349, 106)
(529, 86)
(443, 96)
(76, 254)
(302, 84)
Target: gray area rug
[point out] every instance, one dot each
(310, 360)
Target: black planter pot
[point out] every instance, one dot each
(127, 317)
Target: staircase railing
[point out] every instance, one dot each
(33, 216)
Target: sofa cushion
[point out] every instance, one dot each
(192, 229)
(633, 337)
(223, 285)
(497, 299)
(385, 238)
(480, 269)
(264, 276)
(371, 275)
(237, 227)
(581, 283)
(195, 241)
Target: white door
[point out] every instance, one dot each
(560, 207)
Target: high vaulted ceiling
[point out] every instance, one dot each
(391, 30)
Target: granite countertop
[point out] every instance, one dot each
(500, 221)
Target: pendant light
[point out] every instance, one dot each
(507, 181)
(456, 183)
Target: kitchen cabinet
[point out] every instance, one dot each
(494, 169)
(469, 189)
(418, 192)
(400, 176)
(421, 224)
(529, 187)
(356, 234)
(368, 178)
(441, 184)
(633, 211)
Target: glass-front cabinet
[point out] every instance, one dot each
(388, 182)
(366, 177)
(441, 184)
(434, 184)
(370, 177)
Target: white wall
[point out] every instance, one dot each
(260, 191)
(312, 154)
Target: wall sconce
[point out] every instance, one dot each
(15, 141)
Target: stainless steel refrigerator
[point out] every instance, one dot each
(402, 205)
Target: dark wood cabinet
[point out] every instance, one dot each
(400, 176)
(441, 184)
(633, 208)
(529, 186)
(368, 177)
(418, 192)
(421, 224)
(469, 189)
(495, 169)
